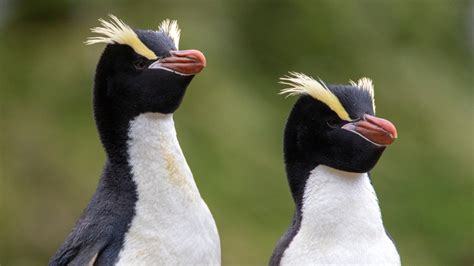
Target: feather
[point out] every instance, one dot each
(301, 84)
(171, 28)
(367, 85)
(116, 31)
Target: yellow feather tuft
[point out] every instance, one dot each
(301, 84)
(367, 85)
(171, 28)
(116, 31)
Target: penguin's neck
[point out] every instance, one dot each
(158, 166)
(339, 204)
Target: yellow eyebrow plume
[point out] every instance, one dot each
(116, 31)
(171, 28)
(367, 85)
(301, 84)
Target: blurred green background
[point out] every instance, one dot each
(419, 54)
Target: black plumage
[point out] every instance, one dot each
(314, 136)
(124, 87)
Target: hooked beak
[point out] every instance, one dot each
(184, 62)
(377, 130)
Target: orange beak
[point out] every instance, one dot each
(378, 130)
(187, 62)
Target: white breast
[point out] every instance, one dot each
(172, 223)
(341, 223)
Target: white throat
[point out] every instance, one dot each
(172, 224)
(341, 222)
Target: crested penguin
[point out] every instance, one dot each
(332, 140)
(146, 209)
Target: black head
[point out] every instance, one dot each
(140, 71)
(333, 125)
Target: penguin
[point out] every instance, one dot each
(146, 209)
(332, 140)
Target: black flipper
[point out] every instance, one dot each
(100, 232)
(85, 255)
(83, 245)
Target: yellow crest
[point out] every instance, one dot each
(116, 31)
(171, 28)
(301, 84)
(367, 85)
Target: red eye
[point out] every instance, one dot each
(140, 64)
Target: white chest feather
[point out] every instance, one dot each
(341, 223)
(172, 224)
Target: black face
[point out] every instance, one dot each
(125, 84)
(313, 134)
